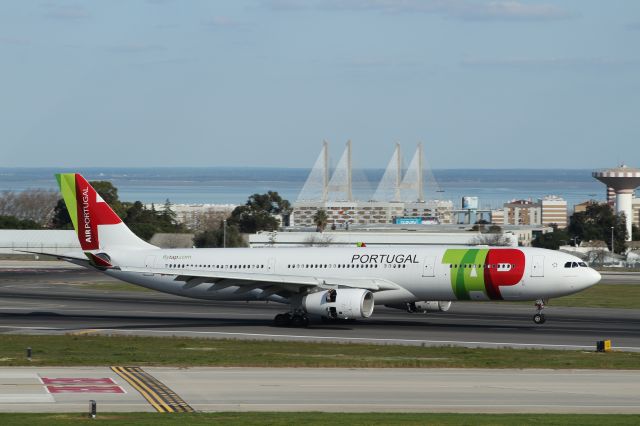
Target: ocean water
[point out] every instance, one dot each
(225, 185)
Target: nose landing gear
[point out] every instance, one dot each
(539, 318)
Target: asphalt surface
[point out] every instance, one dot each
(50, 389)
(59, 301)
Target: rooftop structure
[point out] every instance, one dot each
(624, 180)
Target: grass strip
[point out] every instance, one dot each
(92, 350)
(319, 418)
(625, 296)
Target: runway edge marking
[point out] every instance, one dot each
(163, 399)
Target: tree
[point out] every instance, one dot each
(320, 219)
(552, 240)
(35, 205)
(595, 223)
(257, 214)
(215, 237)
(491, 239)
(11, 222)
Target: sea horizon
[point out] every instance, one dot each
(233, 185)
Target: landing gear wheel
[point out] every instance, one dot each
(282, 320)
(539, 318)
(300, 321)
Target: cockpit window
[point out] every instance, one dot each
(582, 264)
(574, 265)
(567, 265)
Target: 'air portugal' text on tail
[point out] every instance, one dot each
(98, 227)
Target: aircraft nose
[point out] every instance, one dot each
(594, 277)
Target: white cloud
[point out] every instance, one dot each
(453, 9)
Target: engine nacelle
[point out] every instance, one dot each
(343, 303)
(433, 306)
(424, 306)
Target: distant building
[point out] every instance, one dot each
(497, 217)
(582, 207)
(522, 212)
(341, 213)
(199, 216)
(554, 211)
(636, 211)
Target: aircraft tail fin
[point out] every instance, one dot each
(98, 227)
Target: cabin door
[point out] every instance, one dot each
(537, 266)
(429, 267)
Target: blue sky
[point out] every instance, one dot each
(482, 83)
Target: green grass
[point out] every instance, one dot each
(603, 296)
(317, 418)
(91, 350)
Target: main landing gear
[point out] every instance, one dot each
(539, 318)
(291, 319)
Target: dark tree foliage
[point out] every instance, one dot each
(146, 222)
(321, 219)
(257, 213)
(595, 224)
(11, 222)
(552, 240)
(215, 237)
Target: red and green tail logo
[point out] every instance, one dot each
(483, 271)
(86, 208)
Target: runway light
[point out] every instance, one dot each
(93, 409)
(603, 346)
(29, 354)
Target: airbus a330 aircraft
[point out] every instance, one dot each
(331, 283)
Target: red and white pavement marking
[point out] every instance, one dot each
(78, 381)
(84, 389)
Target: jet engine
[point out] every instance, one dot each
(343, 303)
(424, 306)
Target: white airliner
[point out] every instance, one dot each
(331, 283)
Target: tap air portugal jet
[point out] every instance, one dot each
(331, 283)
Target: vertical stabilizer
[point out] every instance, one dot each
(98, 227)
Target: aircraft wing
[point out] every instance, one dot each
(275, 282)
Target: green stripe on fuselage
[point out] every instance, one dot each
(466, 276)
(67, 184)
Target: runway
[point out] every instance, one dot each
(59, 301)
(50, 389)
